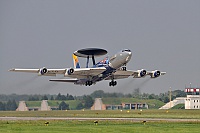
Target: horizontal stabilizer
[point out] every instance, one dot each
(64, 80)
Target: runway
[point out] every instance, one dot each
(110, 119)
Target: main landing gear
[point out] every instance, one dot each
(123, 68)
(88, 83)
(112, 83)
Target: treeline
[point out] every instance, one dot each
(164, 97)
(35, 97)
(11, 105)
(86, 102)
(6, 104)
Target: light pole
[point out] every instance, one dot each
(170, 96)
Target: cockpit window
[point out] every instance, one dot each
(126, 50)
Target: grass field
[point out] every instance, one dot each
(179, 114)
(117, 126)
(103, 126)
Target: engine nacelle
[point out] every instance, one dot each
(43, 71)
(155, 74)
(69, 71)
(141, 73)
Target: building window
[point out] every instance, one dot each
(194, 101)
(197, 101)
(194, 107)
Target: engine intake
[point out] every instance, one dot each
(155, 74)
(43, 70)
(70, 71)
(141, 73)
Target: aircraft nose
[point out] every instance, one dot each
(128, 53)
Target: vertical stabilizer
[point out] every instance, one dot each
(76, 63)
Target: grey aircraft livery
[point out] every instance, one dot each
(107, 69)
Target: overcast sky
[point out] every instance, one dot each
(162, 34)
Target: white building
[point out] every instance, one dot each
(22, 106)
(44, 106)
(192, 102)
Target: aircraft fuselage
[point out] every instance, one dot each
(115, 62)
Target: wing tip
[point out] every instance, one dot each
(163, 73)
(13, 69)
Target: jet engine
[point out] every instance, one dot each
(69, 71)
(43, 71)
(141, 73)
(155, 74)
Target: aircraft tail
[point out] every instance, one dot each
(76, 62)
(103, 62)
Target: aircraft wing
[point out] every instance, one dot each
(42, 71)
(69, 72)
(155, 74)
(88, 71)
(120, 74)
(25, 70)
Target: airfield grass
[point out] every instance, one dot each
(75, 126)
(174, 114)
(116, 126)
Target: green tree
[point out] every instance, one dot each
(63, 97)
(166, 99)
(33, 98)
(179, 93)
(70, 97)
(136, 93)
(98, 94)
(88, 101)
(79, 106)
(44, 97)
(11, 105)
(52, 98)
(2, 106)
(152, 96)
(63, 106)
(58, 97)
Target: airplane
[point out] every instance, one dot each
(107, 69)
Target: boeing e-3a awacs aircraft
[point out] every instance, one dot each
(107, 69)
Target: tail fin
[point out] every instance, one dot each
(76, 63)
(103, 62)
